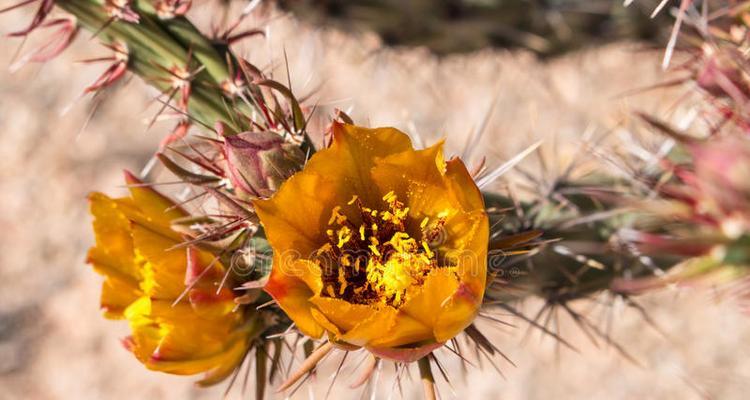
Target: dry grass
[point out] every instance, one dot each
(55, 345)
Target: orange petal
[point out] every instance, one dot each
(293, 294)
(371, 328)
(417, 179)
(405, 331)
(209, 304)
(343, 314)
(424, 305)
(354, 152)
(296, 217)
(456, 314)
(465, 247)
(333, 331)
(462, 186)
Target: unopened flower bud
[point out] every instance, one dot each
(722, 78)
(722, 170)
(258, 162)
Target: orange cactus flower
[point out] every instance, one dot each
(168, 293)
(378, 245)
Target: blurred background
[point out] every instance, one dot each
(551, 70)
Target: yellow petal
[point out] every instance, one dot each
(113, 256)
(156, 207)
(444, 304)
(188, 336)
(146, 333)
(164, 269)
(176, 340)
(116, 296)
(218, 365)
(227, 364)
(113, 253)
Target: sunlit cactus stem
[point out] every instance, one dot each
(153, 48)
(201, 80)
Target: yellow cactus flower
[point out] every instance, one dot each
(181, 322)
(378, 245)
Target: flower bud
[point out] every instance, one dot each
(722, 171)
(722, 78)
(258, 162)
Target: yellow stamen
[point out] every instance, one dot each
(389, 197)
(324, 249)
(345, 235)
(346, 260)
(334, 215)
(427, 250)
(342, 281)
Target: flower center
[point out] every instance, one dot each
(375, 260)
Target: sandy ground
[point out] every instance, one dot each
(55, 345)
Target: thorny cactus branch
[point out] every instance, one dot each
(152, 52)
(200, 78)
